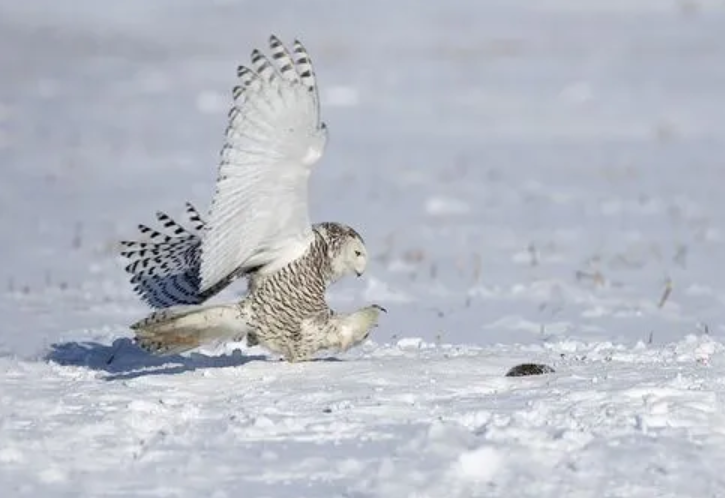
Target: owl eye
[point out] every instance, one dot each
(358, 253)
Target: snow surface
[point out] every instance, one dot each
(537, 182)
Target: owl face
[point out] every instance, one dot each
(351, 258)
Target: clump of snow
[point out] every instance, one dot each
(411, 343)
(479, 465)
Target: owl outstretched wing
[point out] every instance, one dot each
(259, 214)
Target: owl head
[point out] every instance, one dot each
(345, 250)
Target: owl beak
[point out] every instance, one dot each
(359, 274)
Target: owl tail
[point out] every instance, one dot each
(164, 264)
(181, 329)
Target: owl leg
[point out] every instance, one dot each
(323, 331)
(181, 329)
(349, 330)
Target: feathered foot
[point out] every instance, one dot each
(353, 328)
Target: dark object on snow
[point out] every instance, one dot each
(529, 369)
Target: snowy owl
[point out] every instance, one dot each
(258, 227)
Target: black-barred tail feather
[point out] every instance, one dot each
(164, 267)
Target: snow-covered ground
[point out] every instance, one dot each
(537, 181)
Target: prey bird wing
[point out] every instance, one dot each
(259, 214)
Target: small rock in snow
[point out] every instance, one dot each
(525, 369)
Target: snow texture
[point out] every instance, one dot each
(537, 182)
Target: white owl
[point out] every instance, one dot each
(258, 227)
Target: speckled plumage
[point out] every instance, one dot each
(290, 303)
(284, 311)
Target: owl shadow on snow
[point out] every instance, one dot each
(123, 360)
